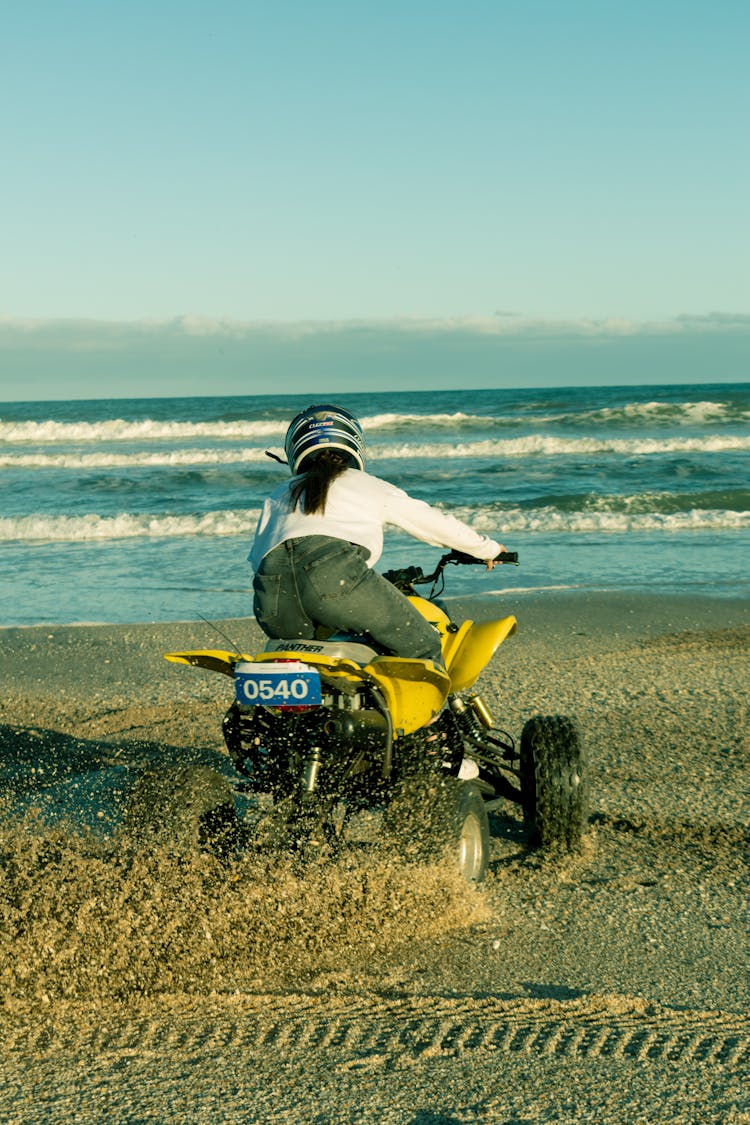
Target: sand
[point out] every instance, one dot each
(611, 986)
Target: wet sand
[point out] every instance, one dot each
(611, 986)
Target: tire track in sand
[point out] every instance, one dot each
(602, 1027)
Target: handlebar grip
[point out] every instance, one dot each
(464, 560)
(469, 560)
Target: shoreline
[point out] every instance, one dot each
(554, 598)
(490, 602)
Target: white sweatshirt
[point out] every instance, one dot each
(357, 509)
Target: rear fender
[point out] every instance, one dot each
(331, 668)
(470, 650)
(415, 690)
(212, 660)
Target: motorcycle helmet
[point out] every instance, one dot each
(324, 426)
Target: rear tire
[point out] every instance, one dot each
(554, 782)
(472, 827)
(184, 809)
(441, 816)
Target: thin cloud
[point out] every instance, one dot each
(88, 335)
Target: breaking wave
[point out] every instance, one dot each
(51, 432)
(613, 516)
(535, 445)
(176, 458)
(70, 529)
(655, 413)
(544, 445)
(117, 429)
(552, 520)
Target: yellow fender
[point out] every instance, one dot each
(214, 660)
(468, 651)
(211, 659)
(414, 690)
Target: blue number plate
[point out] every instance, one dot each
(288, 684)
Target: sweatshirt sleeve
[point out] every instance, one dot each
(432, 526)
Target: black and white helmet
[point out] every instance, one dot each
(324, 427)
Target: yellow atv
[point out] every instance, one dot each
(325, 729)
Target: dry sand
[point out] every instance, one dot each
(608, 987)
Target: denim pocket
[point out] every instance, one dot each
(266, 589)
(336, 573)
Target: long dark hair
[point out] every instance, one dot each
(310, 490)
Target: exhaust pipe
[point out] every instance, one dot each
(346, 728)
(348, 733)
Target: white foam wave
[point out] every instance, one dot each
(601, 521)
(73, 529)
(50, 432)
(686, 412)
(117, 429)
(669, 413)
(148, 429)
(177, 458)
(440, 421)
(547, 445)
(535, 445)
(92, 527)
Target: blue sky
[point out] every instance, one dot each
(269, 186)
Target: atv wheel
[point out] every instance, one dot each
(442, 816)
(183, 808)
(554, 782)
(472, 827)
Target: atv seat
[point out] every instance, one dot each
(338, 648)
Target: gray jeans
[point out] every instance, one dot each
(319, 581)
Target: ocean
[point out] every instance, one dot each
(140, 510)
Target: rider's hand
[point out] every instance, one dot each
(492, 563)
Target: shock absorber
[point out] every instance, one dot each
(479, 707)
(474, 717)
(311, 770)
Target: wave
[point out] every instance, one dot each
(51, 432)
(659, 413)
(601, 517)
(117, 430)
(455, 421)
(534, 445)
(551, 520)
(548, 446)
(93, 527)
(175, 457)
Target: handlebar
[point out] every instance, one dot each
(467, 560)
(411, 576)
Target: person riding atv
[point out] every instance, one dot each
(320, 534)
(363, 700)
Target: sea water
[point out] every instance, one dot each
(144, 510)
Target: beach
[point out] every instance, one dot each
(607, 986)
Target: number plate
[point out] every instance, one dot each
(288, 684)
